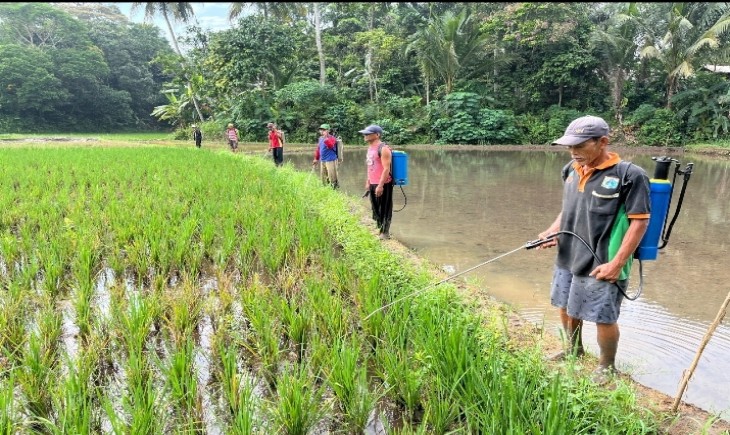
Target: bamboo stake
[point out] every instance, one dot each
(705, 340)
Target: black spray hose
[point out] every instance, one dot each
(405, 200)
(536, 243)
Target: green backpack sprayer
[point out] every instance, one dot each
(655, 238)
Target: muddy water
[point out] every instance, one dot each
(468, 206)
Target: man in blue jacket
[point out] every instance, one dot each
(326, 154)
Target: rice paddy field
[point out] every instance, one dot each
(151, 290)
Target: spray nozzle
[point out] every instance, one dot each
(535, 243)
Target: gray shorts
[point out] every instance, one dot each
(585, 297)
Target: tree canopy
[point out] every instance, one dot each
(415, 68)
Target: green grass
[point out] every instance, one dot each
(718, 145)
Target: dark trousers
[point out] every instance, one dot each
(382, 206)
(278, 153)
(198, 142)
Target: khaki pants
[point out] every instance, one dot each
(328, 173)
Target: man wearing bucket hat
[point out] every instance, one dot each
(326, 154)
(379, 182)
(605, 213)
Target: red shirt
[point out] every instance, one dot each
(274, 139)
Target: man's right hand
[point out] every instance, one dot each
(550, 243)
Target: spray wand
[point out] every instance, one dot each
(529, 245)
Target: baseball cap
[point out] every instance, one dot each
(370, 129)
(582, 129)
(324, 127)
(271, 124)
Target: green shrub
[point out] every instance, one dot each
(642, 114)
(499, 127)
(548, 127)
(662, 129)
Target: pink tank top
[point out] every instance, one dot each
(375, 165)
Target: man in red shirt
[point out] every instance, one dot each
(276, 143)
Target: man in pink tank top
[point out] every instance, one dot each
(379, 182)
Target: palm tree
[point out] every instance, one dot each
(287, 12)
(447, 45)
(182, 12)
(689, 32)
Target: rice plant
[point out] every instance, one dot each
(182, 385)
(298, 407)
(402, 377)
(9, 414)
(14, 312)
(238, 391)
(347, 376)
(264, 340)
(298, 320)
(182, 311)
(76, 398)
(36, 376)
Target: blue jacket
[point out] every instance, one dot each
(327, 154)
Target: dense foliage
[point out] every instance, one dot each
(479, 73)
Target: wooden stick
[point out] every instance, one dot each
(708, 335)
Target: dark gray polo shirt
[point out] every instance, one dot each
(597, 206)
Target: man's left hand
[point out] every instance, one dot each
(606, 272)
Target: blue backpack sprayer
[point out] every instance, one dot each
(398, 171)
(655, 238)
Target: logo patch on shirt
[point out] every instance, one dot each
(609, 182)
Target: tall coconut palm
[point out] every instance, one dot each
(684, 38)
(284, 11)
(181, 12)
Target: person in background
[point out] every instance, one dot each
(326, 154)
(276, 143)
(232, 136)
(606, 203)
(197, 136)
(379, 182)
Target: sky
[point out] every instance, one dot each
(210, 16)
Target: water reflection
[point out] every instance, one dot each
(468, 206)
